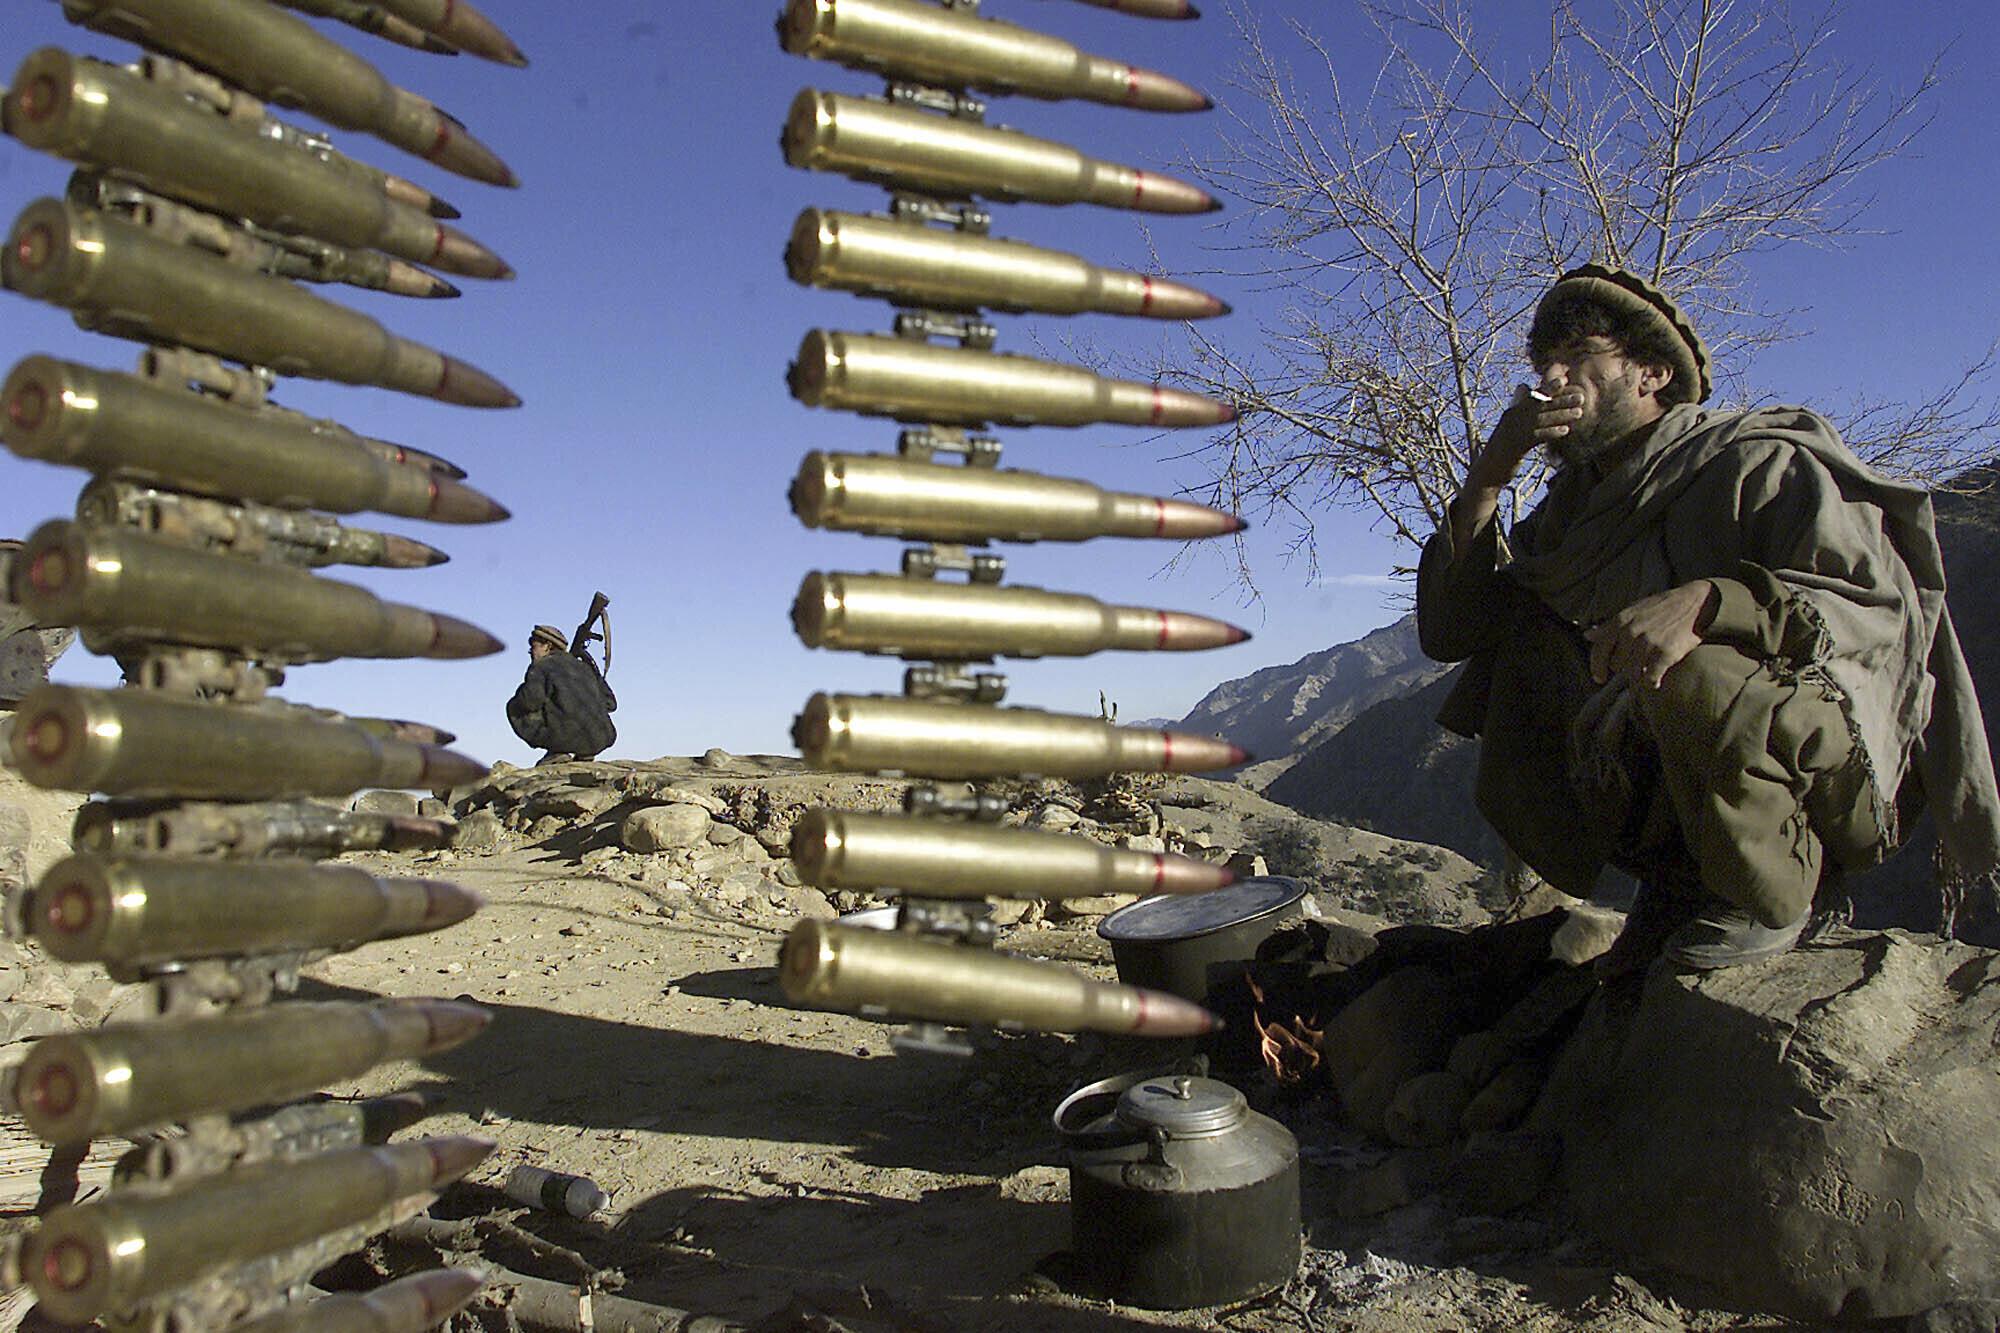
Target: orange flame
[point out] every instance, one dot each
(1290, 1047)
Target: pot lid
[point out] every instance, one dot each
(1182, 916)
(1182, 1105)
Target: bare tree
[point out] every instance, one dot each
(1411, 229)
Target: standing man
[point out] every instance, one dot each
(564, 705)
(1716, 655)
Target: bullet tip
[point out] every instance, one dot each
(1225, 413)
(1241, 635)
(442, 210)
(452, 1157)
(1239, 755)
(1190, 13)
(1224, 308)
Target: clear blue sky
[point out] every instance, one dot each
(651, 326)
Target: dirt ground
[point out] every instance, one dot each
(778, 1166)
(757, 1154)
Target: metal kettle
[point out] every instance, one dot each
(1180, 1195)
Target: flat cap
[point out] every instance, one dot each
(1634, 297)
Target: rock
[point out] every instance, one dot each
(1248, 864)
(1506, 1098)
(1587, 933)
(723, 834)
(430, 807)
(800, 902)
(1054, 818)
(659, 828)
(787, 874)
(572, 803)
(1402, 1180)
(18, 1022)
(1425, 1110)
(1091, 907)
(664, 790)
(480, 831)
(1496, 1173)
(1007, 912)
(1143, 842)
(14, 832)
(1973, 1316)
(380, 802)
(717, 757)
(1401, 1026)
(1818, 1135)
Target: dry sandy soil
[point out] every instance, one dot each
(760, 1156)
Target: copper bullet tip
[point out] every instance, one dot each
(452, 1157)
(469, 386)
(458, 253)
(414, 833)
(453, 638)
(451, 1022)
(405, 553)
(448, 768)
(1242, 635)
(1164, 1015)
(446, 904)
(455, 502)
(440, 1292)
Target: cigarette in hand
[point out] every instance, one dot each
(1539, 396)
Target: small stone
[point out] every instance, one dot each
(661, 827)
(379, 802)
(723, 834)
(1054, 817)
(1143, 842)
(787, 874)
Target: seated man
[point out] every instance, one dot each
(1716, 654)
(27, 649)
(564, 705)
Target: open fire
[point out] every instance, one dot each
(1289, 1046)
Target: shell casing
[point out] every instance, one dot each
(407, 1305)
(270, 54)
(849, 733)
(136, 914)
(372, 20)
(98, 114)
(911, 39)
(891, 496)
(81, 1085)
(935, 619)
(123, 588)
(848, 849)
(113, 423)
(848, 968)
(912, 381)
(913, 264)
(872, 140)
(137, 743)
(116, 278)
(302, 828)
(244, 528)
(85, 1260)
(460, 25)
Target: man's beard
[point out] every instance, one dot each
(1617, 416)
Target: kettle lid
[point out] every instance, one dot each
(1183, 1106)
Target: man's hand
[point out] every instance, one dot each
(1648, 638)
(1529, 421)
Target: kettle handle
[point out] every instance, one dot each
(1112, 1087)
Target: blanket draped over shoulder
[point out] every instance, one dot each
(1857, 556)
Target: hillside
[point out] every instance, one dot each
(1286, 710)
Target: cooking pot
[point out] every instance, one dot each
(1180, 1196)
(1190, 944)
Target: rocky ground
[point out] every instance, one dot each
(761, 1158)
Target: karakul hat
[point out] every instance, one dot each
(1633, 296)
